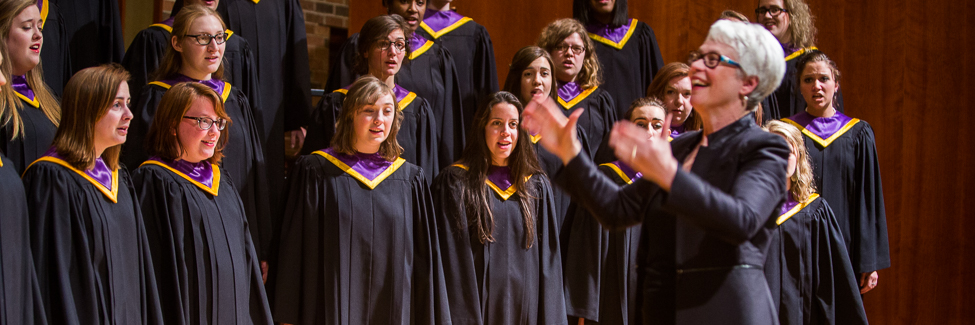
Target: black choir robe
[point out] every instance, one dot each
(500, 282)
(551, 165)
(355, 251)
(808, 270)
(430, 72)
(628, 67)
(34, 142)
(93, 30)
(597, 120)
(242, 160)
(90, 247)
(707, 267)
(786, 100)
(471, 48)
(847, 173)
(275, 31)
(205, 262)
(600, 264)
(149, 47)
(417, 133)
(20, 296)
(55, 57)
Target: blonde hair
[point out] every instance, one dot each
(801, 23)
(555, 33)
(9, 102)
(173, 60)
(801, 184)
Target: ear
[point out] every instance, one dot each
(837, 87)
(748, 85)
(176, 45)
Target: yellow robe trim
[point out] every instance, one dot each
(578, 99)
(785, 216)
(535, 138)
(618, 46)
(229, 34)
(619, 172)
(32, 102)
(256, 1)
(45, 10)
(343, 91)
(504, 194)
(216, 177)
(447, 29)
(365, 181)
(423, 49)
(800, 52)
(824, 142)
(163, 26)
(112, 194)
(224, 95)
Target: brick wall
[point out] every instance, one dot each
(321, 16)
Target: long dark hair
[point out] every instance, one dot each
(524, 58)
(583, 12)
(477, 157)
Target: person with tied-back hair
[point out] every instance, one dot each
(843, 152)
(627, 49)
(196, 55)
(707, 200)
(430, 73)
(601, 283)
(499, 233)
(202, 250)
(359, 243)
(792, 23)
(578, 78)
(672, 85)
(733, 16)
(808, 269)
(87, 233)
(29, 113)
(381, 53)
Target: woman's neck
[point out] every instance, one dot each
(564, 79)
(195, 75)
(829, 111)
(713, 120)
(443, 6)
(605, 19)
(366, 149)
(389, 80)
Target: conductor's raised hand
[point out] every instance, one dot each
(558, 133)
(650, 156)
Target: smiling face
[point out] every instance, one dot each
(198, 144)
(717, 87)
(385, 63)
(112, 128)
(24, 41)
(568, 64)
(677, 100)
(650, 118)
(536, 80)
(199, 61)
(373, 122)
(411, 10)
(501, 133)
(817, 85)
(778, 25)
(212, 4)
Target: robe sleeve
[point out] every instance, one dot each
(615, 207)
(429, 302)
(250, 84)
(607, 109)
(143, 57)
(426, 141)
(453, 130)
(485, 71)
(342, 72)
(736, 216)
(653, 56)
(459, 270)
(836, 297)
(297, 88)
(298, 279)
(551, 298)
(872, 252)
(255, 190)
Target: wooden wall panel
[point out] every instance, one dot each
(907, 69)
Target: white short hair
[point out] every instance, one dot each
(759, 54)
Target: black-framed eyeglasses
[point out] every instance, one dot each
(575, 49)
(205, 39)
(775, 11)
(205, 122)
(711, 59)
(399, 45)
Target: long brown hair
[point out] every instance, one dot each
(524, 58)
(87, 97)
(375, 30)
(477, 157)
(556, 32)
(365, 91)
(173, 60)
(658, 89)
(9, 102)
(162, 141)
(801, 184)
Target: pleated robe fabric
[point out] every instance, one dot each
(628, 67)
(355, 255)
(500, 282)
(91, 254)
(93, 30)
(809, 272)
(20, 296)
(55, 56)
(33, 143)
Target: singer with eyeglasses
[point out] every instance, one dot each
(707, 200)
(196, 55)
